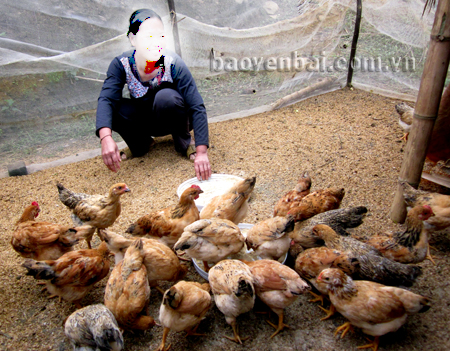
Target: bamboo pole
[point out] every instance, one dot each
(354, 42)
(427, 106)
(173, 21)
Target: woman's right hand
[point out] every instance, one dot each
(110, 153)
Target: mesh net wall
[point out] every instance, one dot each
(244, 54)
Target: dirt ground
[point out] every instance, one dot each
(345, 138)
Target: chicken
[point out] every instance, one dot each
(43, 240)
(184, 305)
(93, 328)
(127, 292)
(293, 197)
(439, 203)
(161, 262)
(97, 211)
(405, 118)
(373, 266)
(278, 286)
(317, 202)
(269, 238)
(375, 308)
(311, 262)
(233, 205)
(409, 245)
(211, 240)
(72, 275)
(339, 220)
(231, 282)
(30, 213)
(168, 224)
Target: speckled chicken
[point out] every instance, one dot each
(97, 211)
(373, 266)
(211, 240)
(373, 307)
(439, 203)
(311, 262)
(339, 219)
(231, 282)
(93, 328)
(278, 286)
(405, 118)
(409, 245)
(168, 224)
(269, 238)
(127, 292)
(233, 205)
(43, 240)
(292, 198)
(161, 262)
(72, 275)
(184, 305)
(317, 202)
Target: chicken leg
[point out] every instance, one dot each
(345, 327)
(280, 325)
(374, 344)
(236, 337)
(330, 312)
(163, 342)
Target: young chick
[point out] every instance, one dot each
(339, 220)
(373, 307)
(293, 197)
(269, 238)
(96, 211)
(409, 245)
(405, 118)
(127, 292)
(317, 202)
(278, 286)
(233, 205)
(232, 285)
(211, 240)
(161, 262)
(373, 266)
(93, 328)
(72, 275)
(312, 261)
(168, 224)
(184, 305)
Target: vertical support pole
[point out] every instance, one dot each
(354, 42)
(173, 21)
(427, 106)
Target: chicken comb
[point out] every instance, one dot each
(34, 203)
(195, 187)
(318, 278)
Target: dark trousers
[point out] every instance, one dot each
(136, 123)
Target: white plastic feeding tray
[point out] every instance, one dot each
(218, 184)
(245, 254)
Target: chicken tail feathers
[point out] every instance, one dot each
(111, 339)
(410, 193)
(68, 197)
(245, 287)
(39, 269)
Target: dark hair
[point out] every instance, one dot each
(139, 16)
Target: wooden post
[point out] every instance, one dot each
(354, 42)
(173, 21)
(427, 106)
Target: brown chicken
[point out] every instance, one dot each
(317, 202)
(43, 240)
(340, 220)
(405, 118)
(93, 328)
(233, 205)
(161, 262)
(269, 238)
(278, 286)
(312, 261)
(439, 203)
(168, 224)
(97, 211)
(72, 275)
(409, 245)
(373, 266)
(293, 197)
(184, 305)
(127, 292)
(211, 240)
(231, 282)
(375, 308)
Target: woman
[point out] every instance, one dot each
(163, 99)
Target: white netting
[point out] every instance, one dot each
(243, 53)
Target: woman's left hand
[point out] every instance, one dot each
(201, 163)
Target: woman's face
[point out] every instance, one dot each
(149, 41)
